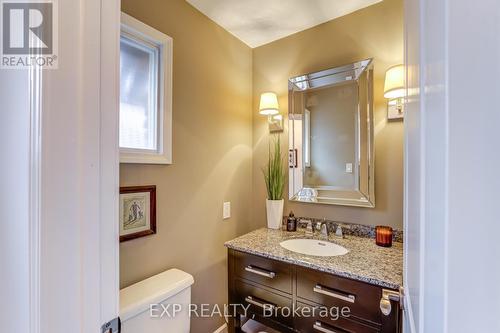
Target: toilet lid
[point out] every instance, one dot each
(156, 289)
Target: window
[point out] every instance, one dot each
(145, 94)
(138, 94)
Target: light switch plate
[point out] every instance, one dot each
(226, 210)
(348, 167)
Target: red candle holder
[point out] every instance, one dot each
(383, 236)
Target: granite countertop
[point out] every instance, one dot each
(365, 261)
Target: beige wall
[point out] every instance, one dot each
(376, 31)
(212, 153)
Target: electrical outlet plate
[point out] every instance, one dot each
(226, 210)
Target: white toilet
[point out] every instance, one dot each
(163, 291)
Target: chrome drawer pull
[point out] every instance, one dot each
(318, 327)
(322, 290)
(250, 300)
(259, 271)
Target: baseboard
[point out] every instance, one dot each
(222, 329)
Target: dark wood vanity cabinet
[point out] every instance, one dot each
(271, 289)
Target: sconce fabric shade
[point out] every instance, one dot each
(269, 104)
(394, 86)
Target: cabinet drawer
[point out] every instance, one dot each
(322, 324)
(262, 302)
(362, 299)
(268, 272)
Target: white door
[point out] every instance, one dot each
(59, 179)
(452, 166)
(426, 169)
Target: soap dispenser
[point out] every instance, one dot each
(291, 222)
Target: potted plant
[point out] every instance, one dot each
(274, 176)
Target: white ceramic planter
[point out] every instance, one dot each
(274, 210)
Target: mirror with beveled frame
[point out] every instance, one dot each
(331, 158)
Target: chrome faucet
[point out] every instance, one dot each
(338, 232)
(322, 227)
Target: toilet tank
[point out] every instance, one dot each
(159, 304)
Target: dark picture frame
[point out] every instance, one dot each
(137, 212)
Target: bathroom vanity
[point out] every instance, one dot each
(268, 279)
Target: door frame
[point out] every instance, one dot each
(96, 120)
(60, 268)
(426, 165)
(110, 157)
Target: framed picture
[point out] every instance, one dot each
(137, 212)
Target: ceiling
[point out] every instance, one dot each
(258, 22)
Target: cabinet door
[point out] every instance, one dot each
(263, 302)
(268, 272)
(316, 320)
(362, 299)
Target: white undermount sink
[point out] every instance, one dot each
(314, 247)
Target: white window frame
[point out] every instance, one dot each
(163, 153)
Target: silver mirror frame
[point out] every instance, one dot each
(328, 194)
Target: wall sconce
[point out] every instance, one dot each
(269, 107)
(394, 91)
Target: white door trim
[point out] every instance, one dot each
(100, 91)
(60, 182)
(80, 170)
(426, 164)
(109, 156)
(35, 152)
